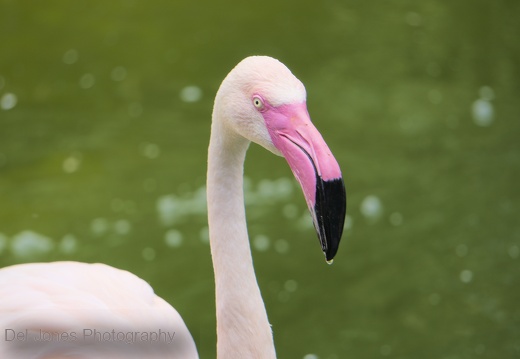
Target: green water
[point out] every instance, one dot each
(419, 102)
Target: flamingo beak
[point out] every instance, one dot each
(315, 168)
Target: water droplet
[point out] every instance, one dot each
(118, 73)
(466, 276)
(261, 243)
(87, 81)
(70, 57)
(483, 112)
(68, 244)
(371, 207)
(8, 101)
(191, 94)
(396, 219)
(148, 254)
(29, 243)
(330, 261)
(281, 246)
(173, 238)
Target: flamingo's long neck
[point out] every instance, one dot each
(243, 330)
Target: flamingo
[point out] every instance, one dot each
(259, 101)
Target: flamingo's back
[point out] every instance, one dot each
(78, 298)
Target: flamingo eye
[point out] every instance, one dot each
(259, 104)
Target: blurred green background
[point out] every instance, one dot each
(104, 123)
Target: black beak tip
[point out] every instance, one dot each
(329, 255)
(330, 210)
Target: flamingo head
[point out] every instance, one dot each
(264, 102)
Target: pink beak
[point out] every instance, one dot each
(315, 168)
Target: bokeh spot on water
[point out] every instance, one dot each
(148, 254)
(349, 222)
(204, 235)
(72, 163)
(290, 285)
(8, 101)
(191, 94)
(122, 226)
(483, 112)
(290, 211)
(413, 19)
(135, 109)
(173, 209)
(434, 299)
(118, 73)
(150, 150)
(173, 238)
(281, 246)
(261, 243)
(99, 226)
(385, 350)
(305, 222)
(371, 207)
(486, 93)
(466, 276)
(482, 109)
(514, 251)
(29, 243)
(87, 81)
(396, 219)
(70, 57)
(311, 356)
(68, 244)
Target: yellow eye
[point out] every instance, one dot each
(259, 104)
